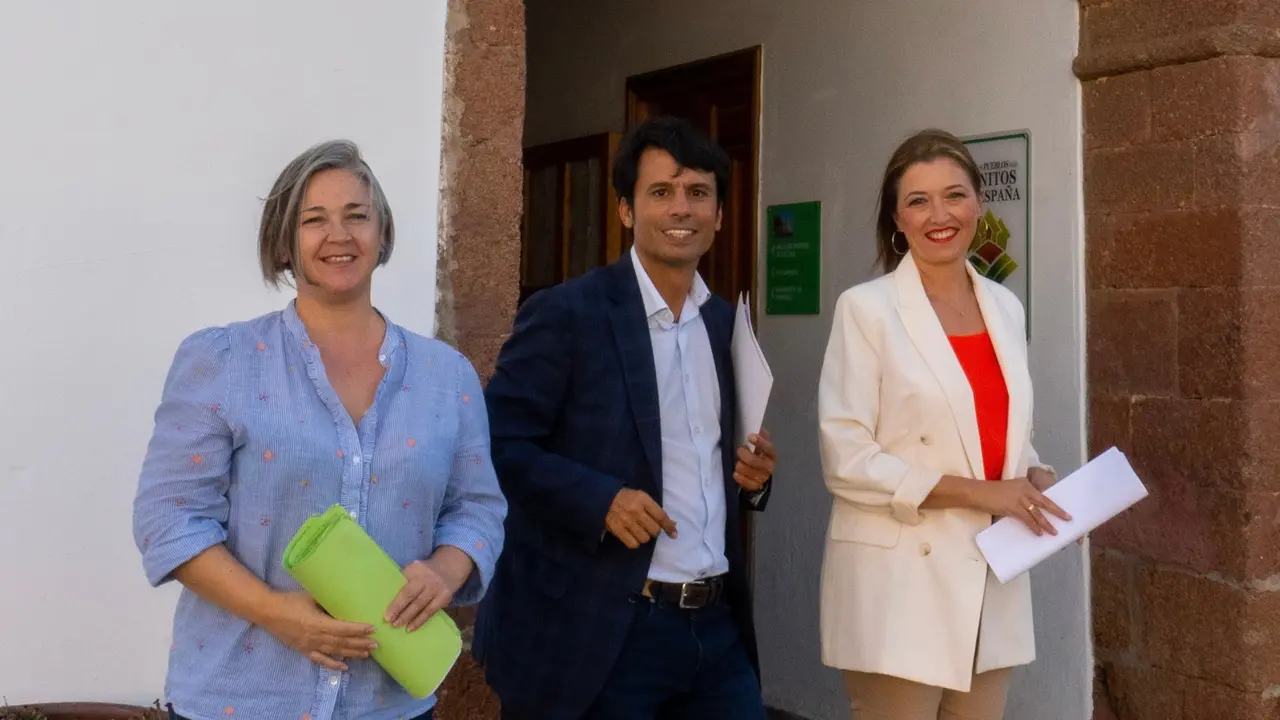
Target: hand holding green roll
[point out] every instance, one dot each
(353, 579)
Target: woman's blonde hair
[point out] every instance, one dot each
(924, 146)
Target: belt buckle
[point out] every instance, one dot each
(684, 594)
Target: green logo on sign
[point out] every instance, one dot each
(989, 251)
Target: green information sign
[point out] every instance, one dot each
(793, 259)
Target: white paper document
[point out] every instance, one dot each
(1105, 487)
(751, 373)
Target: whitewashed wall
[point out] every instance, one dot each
(138, 137)
(843, 83)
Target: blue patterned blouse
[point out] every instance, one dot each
(250, 440)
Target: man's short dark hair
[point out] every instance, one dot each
(686, 144)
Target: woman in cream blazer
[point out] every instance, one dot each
(910, 426)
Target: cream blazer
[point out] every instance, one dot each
(905, 590)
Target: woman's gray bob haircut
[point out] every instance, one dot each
(278, 233)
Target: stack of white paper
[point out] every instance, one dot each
(751, 373)
(1092, 495)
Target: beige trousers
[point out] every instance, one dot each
(882, 697)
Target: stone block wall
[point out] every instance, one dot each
(1182, 204)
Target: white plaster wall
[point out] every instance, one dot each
(843, 83)
(138, 138)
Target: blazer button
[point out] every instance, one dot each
(926, 439)
(925, 549)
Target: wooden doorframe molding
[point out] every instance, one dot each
(737, 62)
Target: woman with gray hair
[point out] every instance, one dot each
(266, 422)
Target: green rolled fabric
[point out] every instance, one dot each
(353, 579)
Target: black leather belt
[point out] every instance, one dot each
(687, 596)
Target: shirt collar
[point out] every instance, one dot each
(653, 302)
(392, 342)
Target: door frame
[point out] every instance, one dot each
(737, 62)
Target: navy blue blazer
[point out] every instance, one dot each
(573, 414)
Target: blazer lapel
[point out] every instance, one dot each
(931, 341)
(1010, 351)
(720, 334)
(631, 333)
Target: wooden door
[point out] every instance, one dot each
(720, 96)
(570, 223)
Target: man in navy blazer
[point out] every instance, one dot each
(622, 592)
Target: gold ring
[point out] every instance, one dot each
(1031, 508)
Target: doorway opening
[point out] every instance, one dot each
(721, 96)
(570, 223)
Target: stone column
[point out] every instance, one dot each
(1182, 205)
(481, 201)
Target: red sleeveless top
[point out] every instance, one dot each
(990, 396)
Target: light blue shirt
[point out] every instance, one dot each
(250, 440)
(689, 404)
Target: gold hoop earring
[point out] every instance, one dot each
(893, 242)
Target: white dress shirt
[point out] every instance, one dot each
(689, 404)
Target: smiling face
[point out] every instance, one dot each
(675, 215)
(938, 211)
(338, 236)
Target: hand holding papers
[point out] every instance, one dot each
(1092, 495)
(751, 373)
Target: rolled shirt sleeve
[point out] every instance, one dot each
(474, 508)
(181, 506)
(855, 466)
